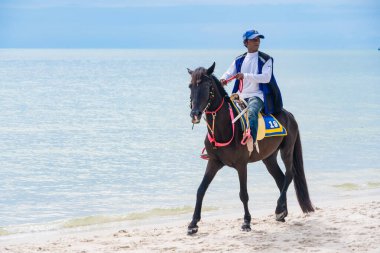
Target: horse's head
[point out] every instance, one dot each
(202, 91)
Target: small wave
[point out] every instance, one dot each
(353, 187)
(156, 212)
(4, 232)
(98, 220)
(347, 186)
(91, 220)
(373, 185)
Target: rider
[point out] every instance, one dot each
(260, 88)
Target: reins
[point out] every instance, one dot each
(240, 82)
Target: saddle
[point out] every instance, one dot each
(268, 125)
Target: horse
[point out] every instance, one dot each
(208, 96)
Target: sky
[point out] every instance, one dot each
(188, 24)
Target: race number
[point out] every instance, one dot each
(273, 124)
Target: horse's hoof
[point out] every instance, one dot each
(192, 230)
(246, 227)
(281, 216)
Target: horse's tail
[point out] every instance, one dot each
(300, 184)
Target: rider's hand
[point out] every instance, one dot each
(223, 81)
(240, 76)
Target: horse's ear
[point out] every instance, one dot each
(210, 70)
(190, 71)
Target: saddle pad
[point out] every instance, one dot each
(269, 126)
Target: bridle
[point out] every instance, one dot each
(211, 136)
(211, 96)
(211, 132)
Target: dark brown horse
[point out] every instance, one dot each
(208, 95)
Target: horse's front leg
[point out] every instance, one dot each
(212, 168)
(242, 171)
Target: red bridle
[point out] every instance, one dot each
(211, 137)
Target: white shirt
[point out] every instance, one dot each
(251, 79)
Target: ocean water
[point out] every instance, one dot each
(95, 136)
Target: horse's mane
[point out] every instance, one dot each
(221, 90)
(202, 71)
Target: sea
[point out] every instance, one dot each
(95, 136)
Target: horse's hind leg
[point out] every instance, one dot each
(211, 170)
(281, 179)
(287, 158)
(242, 171)
(275, 170)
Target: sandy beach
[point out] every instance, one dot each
(354, 226)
